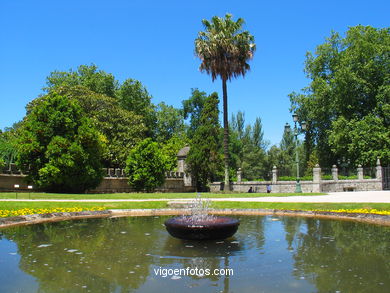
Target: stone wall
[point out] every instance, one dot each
(119, 184)
(316, 185)
(108, 185)
(8, 181)
(351, 185)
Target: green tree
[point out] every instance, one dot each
(88, 76)
(192, 109)
(350, 80)
(133, 96)
(170, 122)
(224, 49)
(9, 145)
(122, 129)
(238, 124)
(204, 158)
(249, 147)
(170, 149)
(362, 140)
(146, 166)
(60, 147)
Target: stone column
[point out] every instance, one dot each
(239, 175)
(317, 174)
(317, 178)
(274, 175)
(378, 172)
(335, 173)
(360, 172)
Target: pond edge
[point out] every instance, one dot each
(383, 220)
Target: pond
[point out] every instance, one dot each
(136, 254)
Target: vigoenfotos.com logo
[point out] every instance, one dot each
(199, 272)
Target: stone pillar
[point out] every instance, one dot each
(274, 175)
(335, 173)
(317, 174)
(111, 172)
(378, 172)
(239, 174)
(360, 172)
(317, 178)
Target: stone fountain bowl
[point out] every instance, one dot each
(215, 228)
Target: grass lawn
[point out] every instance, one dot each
(300, 205)
(84, 205)
(37, 195)
(219, 205)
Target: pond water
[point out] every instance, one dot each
(267, 254)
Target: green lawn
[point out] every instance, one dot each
(106, 205)
(219, 205)
(300, 205)
(37, 195)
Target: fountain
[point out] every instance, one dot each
(200, 225)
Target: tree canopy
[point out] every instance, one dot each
(60, 147)
(131, 95)
(121, 128)
(347, 102)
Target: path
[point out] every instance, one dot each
(358, 196)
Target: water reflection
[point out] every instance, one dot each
(267, 255)
(343, 256)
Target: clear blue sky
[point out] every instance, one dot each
(153, 41)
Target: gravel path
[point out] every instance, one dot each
(358, 196)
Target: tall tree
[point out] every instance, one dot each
(170, 122)
(9, 145)
(248, 147)
(192, 109)
(204, 158)
(238, 123)
(224, 49)
(350, 83)
(286, 158)
(133, 96)
(258, 134)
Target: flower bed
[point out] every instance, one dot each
(28, 211)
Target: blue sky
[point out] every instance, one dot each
(153, 41)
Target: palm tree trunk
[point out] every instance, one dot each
(225, 135)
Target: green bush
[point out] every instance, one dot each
(61, 147)
(352, 177)
(292, 178)
(287, 178)
(342, 177)
(146, 166)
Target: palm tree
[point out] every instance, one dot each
(224, 49)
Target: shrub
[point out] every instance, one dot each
(146, 166)
(61, 147)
